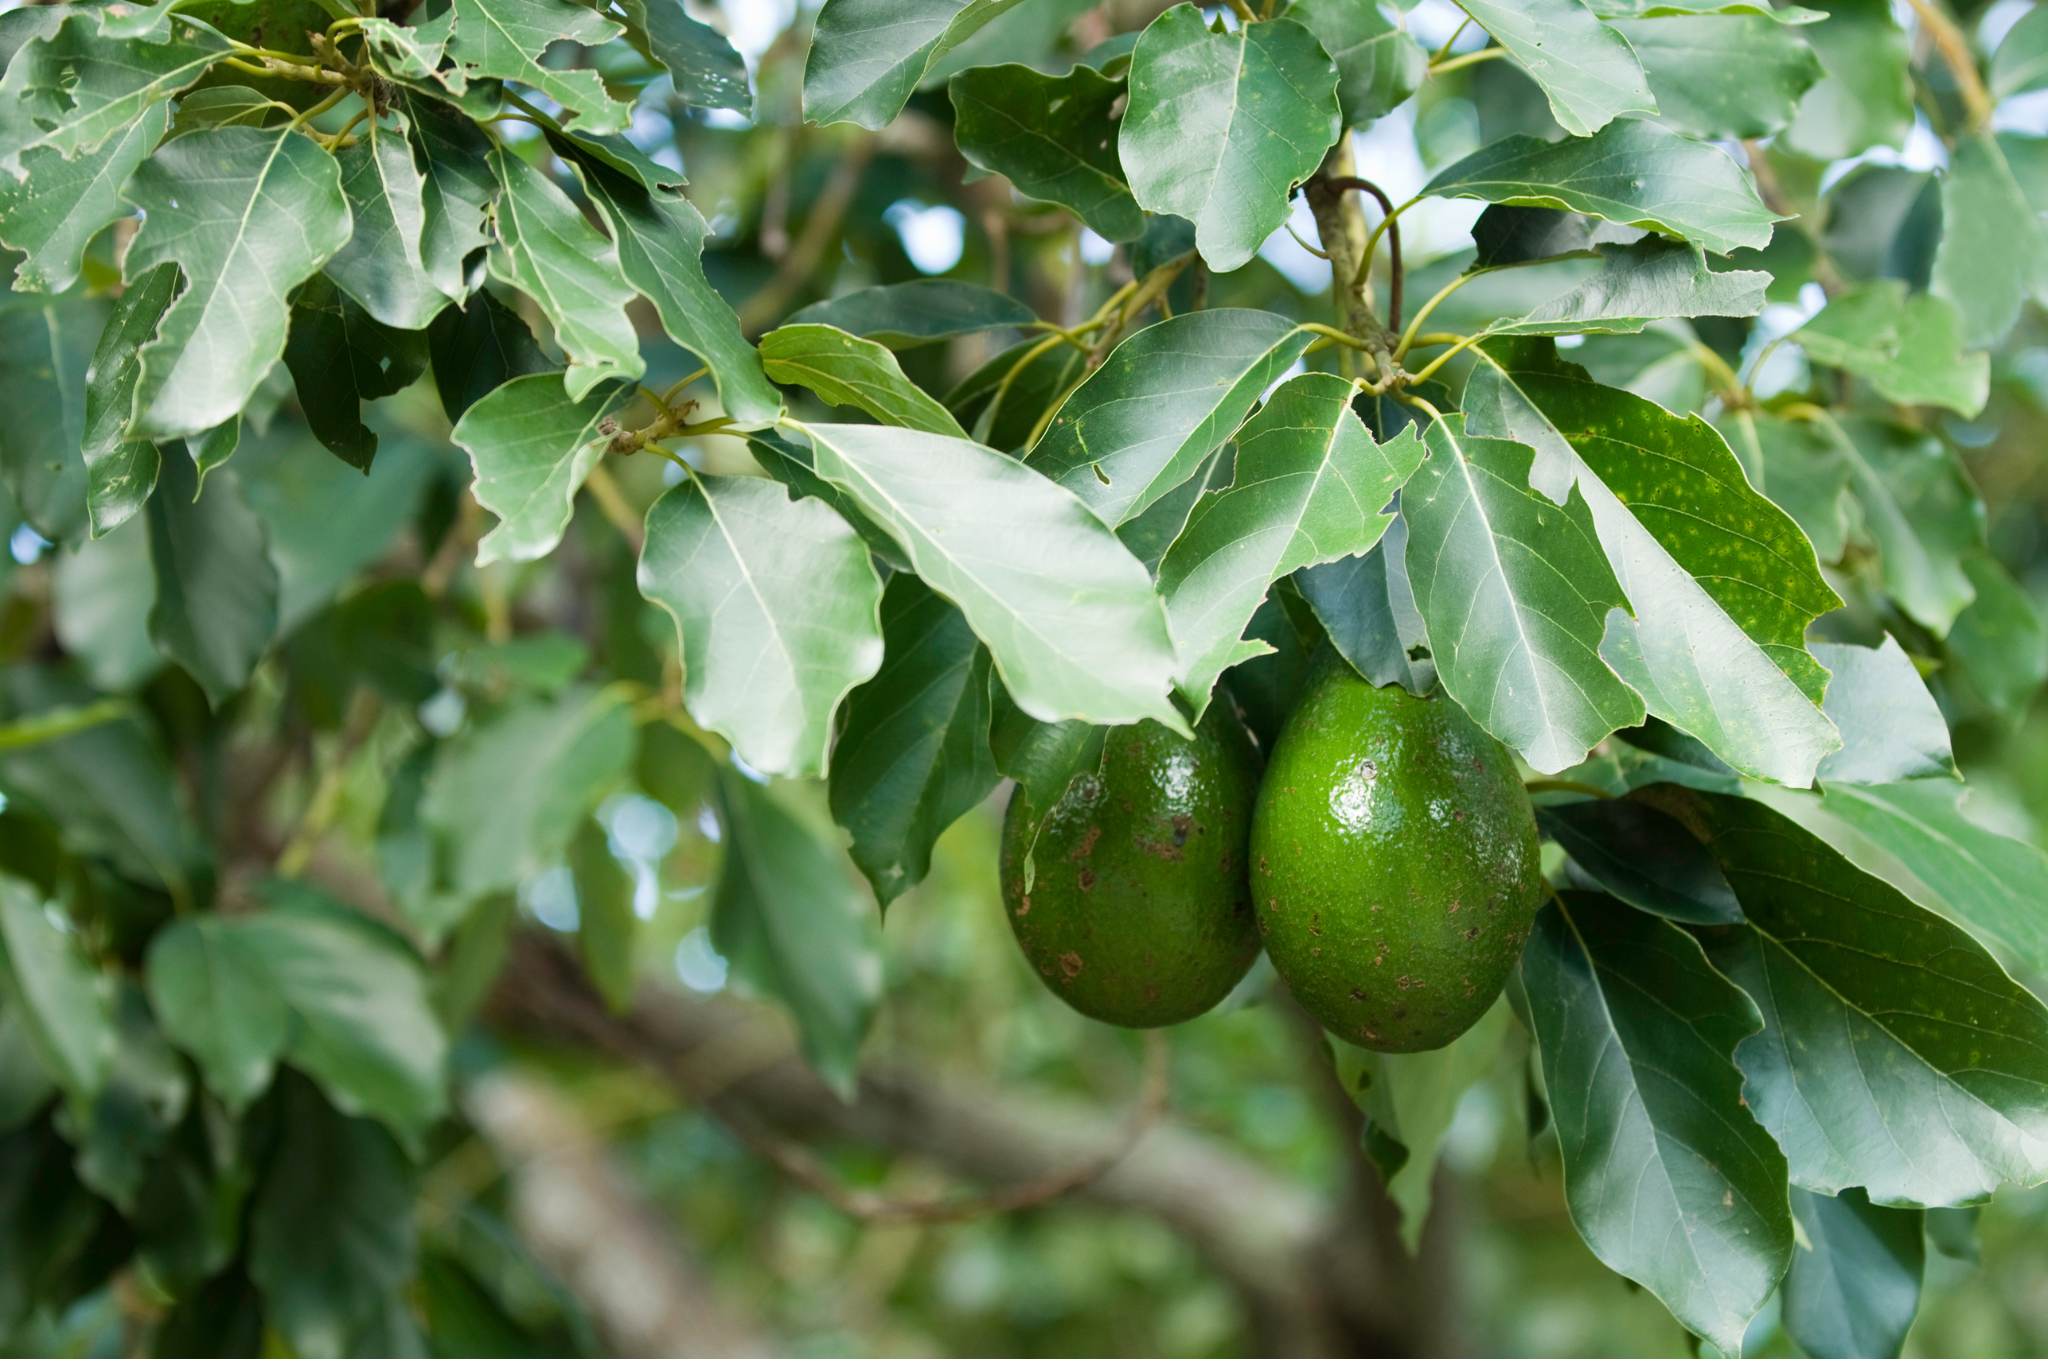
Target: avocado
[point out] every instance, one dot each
(1137, 911)
(1395, 864)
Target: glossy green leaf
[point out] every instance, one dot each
(120, 474)
(706, 71)
(457, 192)
(852, 372)
(1515, 595)
(1378, 64)
(1726, 75)
(508, 38)
(53, 214)
(1641, 174)
(1586, 69)
(1165, 398)
(1896, 1056)
(46, 345)
(1670, 1180)
(778, 606)
(1366, 607)
(478, 346)
(340, 358)
(507, 793)
(1854, 1282)
(660, 240)
(62, 1001)
(1087, 642)
(913, 755)
(1314, 488)
(1908, 347)
(73, 89)
(1797, 467)
(867, 56)
(532, 447)
(916, 312)
(1055, 137)
(1716, 645)
(1637, 284)
(546, 248)
(1221, 126)
(246, 214)
(1919, 510)
(1994, 248)
(1635, 853)
(216, 588)
(382, 264)
(795, 928)
(1866, 96)
(1892, 730)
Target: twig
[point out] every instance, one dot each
(1392, 227)
(1956, 56)
(821, 225)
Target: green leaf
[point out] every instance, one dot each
(1055, 137)
(1003, 417)
(101, 599)
(45, 347)
(73, 89)
(1515, 594)
(1637, 854)
(913, 755)
(1866, 97)
(1635, 286)
(383, 265)
(532, 446)
(507, 39)
(216, 588)
(1641, 174)
(1998, 646)
(476, 347)
(1585, 68)
(1917, 837)
(1994, 249)
(457, 192)
(1797, 467)
(246, 214)
(852, 372)
(341, 358)
(1670, 1180)
(1896, 1055)
(778, 606)
(62, 1001)
(795, 927)
(660, 239)
(120, 474)
(1089, 642)
(1409, 1100)
(121, 1132)
(1220, 127)
(1725, 75)
(1367, 609)
(331, 1230)
(706, 71)
(1378, 64)
(1908, 347)
(548, 249)
(2021, 62)
(867, 56)
(1313, 490)
(53, 214)
(213, 991)
(916, 312)
(1144, 422)
(1919, 510)
(1716, 645)
(1854, 1283)
(1891, 728)
(507, 793)
(607, 930)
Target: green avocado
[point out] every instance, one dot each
(1138, 912)
(1395, 864)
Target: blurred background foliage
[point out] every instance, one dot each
(801, 213)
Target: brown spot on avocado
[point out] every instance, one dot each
(1086, 880)
(1070, 965)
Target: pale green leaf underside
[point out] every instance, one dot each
(531, 447)
(852, 372)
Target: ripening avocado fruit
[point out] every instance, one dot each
(1395, 866)
(1137, 911)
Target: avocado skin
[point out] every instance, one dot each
(1395, 864)
(1140, 914)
